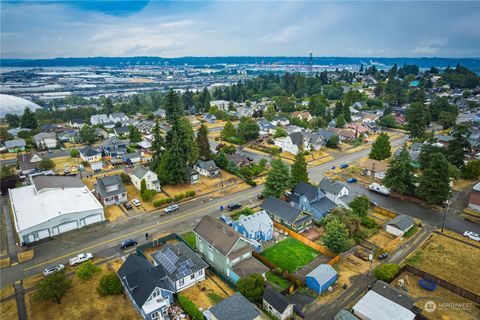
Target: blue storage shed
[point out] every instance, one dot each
(320, 278)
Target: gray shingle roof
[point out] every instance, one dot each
(297, 139)
(402, 222)
(236, 307)
(393, 294)
(323, 205)
(14, 143)
(206, 165)
(276, 300)
(140, 172)
(217, 234)
(322, 273)
(103, 183)
(89, 152)
(306, 189)
(281, 209)
(330, 186)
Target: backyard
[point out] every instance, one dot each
(277, 281)
(290, 254)
(208, 292)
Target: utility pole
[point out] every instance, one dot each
(370, 257)
(447, 206)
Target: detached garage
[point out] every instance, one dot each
(52, 205)
(321, 278)
(399, 225)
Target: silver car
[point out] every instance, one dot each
(53, 269)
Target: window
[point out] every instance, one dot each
(156, 316)
(192, 276)
(181, 282)
(200, 272)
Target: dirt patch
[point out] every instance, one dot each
(382, 239)
(90, 182)
(313, 234)
(69, 163)
(8, 309)
(210, 289)
(462, 184)
(32, 281)
(450, 260)
(441, 296)
(113, 213)
(25, 255)
(90, 306)
(7, 291)
(5, 262)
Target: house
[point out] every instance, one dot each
(358, 129)
(238, 159)
(193, 176)
(474, 198)
(444, 140)
(121, 132)
(321, 278)
(235, 307)
(313, 141)
(291, 128)
(52, 205)
(49, 128)
(132, 158)
(15, 145)
(336, 191)
(226, 250)
(276, 303)
(151, 179)
(292, 143)
(302, 115)
(92, 156)
(118, 117)
(207, 168)
(266, 127)
(286, 214)
(374, 168)
(182, 267)
(369, 118)
(72, 136)
(210, 118)
(99, 119)
(395, 304)
(280, 121)
(345, 134)
(160, 113)
(146, 287)
(326, 134)
(220, 104)
(399, 119)
(29, 162)
(114, 147)
(244, 112)
(312, 199)
(76, 123)
(193, 120)
(45, 140)
(101, 133)
(399, 225)
(110, 190)
(258, 226)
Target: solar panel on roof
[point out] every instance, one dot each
(190, 263)
(166, 262)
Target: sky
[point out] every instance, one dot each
(49, 29)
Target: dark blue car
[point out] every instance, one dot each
(351, 180)
(344, 165)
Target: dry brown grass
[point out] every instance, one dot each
(25, 255)
(82, 302)
(382, 239)
(320, 161)
(462, 184)
(90, 182)
(32, 281)
(113, 213)
(450, 260)
(7, 291)
(5, 262)
(443, 295)
(8, 310)
(65, 162)
(200, 291)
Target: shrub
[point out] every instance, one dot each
(87, 270)
(86, 164)
(147, 195)
(190, 193)
(161, 202)
(110, 284)
(386, 272)
(74, 153)
(368, 222)
(125, 178)
(179, 197)
(250, 182)
(190, 308)
(252, 287)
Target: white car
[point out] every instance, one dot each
(379, 188)
(53, 269)
(81, 258)
(472, 235)
(171, 208)
(136, 202)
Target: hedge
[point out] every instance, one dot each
(190, 308)
(178, 197)
(386, 272)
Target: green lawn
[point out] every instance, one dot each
(189, 237)
(238, 213)
(277, 280)
(290, 254)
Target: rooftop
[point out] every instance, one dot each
(236, 307)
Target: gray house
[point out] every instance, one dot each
(146, 287)
(110, 190)
(312, 199)
(226, 250)
(207, 168)
(287, 215)
(236, 307)
(277, 304)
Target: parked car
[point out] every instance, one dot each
(136, 202)
(383, 256)
(128, 243)
(379, 189)
(373, 203)
(472, 235)
(127, 205)
(171, 208)
(260, 196)
(234, 206)
(53, 269)
(81, 258)
(344, 165)
(352, 180)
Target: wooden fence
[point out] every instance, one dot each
(285, 274)
(385, 212)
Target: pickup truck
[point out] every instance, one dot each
(379, 189)
(82, 257)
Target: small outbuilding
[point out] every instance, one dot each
(321, 278)
(399, 225)
(277, 304)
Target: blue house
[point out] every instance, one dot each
(257, 226)
(311, 199)
(114, 147)
(320, 278)
(210, 118)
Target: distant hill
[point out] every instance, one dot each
(471, 63)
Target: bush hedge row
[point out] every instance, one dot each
(178, 197)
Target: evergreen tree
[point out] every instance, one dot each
(346, 113)
(299, 170)
(176, 161)
(109, 106)
(29, 120)
(435, 181)
(340, 121)
(173, 108)
(418, 119)
(338, 109)
(400, 175)
(228, 131)
(13, 120)
(87, 134)
(270, 112)
(278, 179)
(202, 141)
(134, 134)
(459, 146)
(381, 148)
(317, 106)
(158, 145)
(188, 142)
(336, 236)
(248, 129)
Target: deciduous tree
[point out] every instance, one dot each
(252, 287)
(53, 287)
(336, 236)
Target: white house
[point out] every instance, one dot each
(92, 156)
(207, 168)
(277, 304)
(293, 143)
(335, 191)
(399, 225)
(151, 179)
(118, 117)
(45, 140)
(99, 119)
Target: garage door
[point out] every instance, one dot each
(67, 226)
(92, 219)
(43, 234)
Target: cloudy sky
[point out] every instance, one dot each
(48, 29)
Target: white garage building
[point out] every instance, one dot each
(52, 205)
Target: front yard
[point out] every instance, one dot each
(290, 254)
(189, 237)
